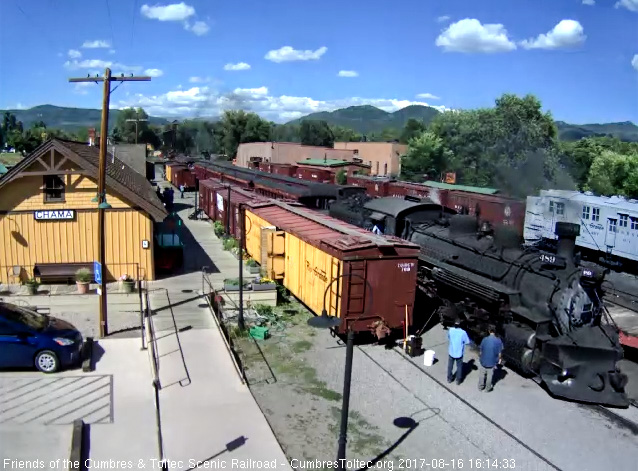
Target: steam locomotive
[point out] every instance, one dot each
(547, 307)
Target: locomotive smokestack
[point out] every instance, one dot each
(567, 233)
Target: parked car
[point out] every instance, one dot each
(29, 338)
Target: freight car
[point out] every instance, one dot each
(169, 247)
(547, 308)
(367, 280)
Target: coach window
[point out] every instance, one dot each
(623, 220)
(595, 214)
(634, 224)
(612, 226)
(53, 189)
(560, 208)
(551, 206)
(585, 212)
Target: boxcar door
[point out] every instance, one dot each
(334, 296)
(610, 235)
(276, 250)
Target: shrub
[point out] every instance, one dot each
(32, 281)
(83, 275)
(229, 243)
(251, 263)
(219, 229)
(341, 177)
(264, 310)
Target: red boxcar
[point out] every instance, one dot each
(377, 187)
(495, 209)
(315, 174)
(278, 169)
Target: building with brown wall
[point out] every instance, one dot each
(48, 219)
(251, 154)
(384, 158)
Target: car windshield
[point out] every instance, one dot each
(18, 314)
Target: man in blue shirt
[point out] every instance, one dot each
(491, 348)
(458, 340)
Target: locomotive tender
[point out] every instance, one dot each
(546, 307)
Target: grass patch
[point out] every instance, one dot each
(362, 436)
(301, 346)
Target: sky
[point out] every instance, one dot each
(287, 58)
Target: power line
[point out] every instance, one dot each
(108, 10)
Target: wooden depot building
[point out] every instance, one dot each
(49, 216)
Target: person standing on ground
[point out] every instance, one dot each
(181, 191)
(458, 340)
(491, 348)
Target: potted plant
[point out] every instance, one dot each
(263, 284)
(229, 243)
(32, 285)
(253, 268)
(235, 252)
(82, 280)
(128, 283)
(232, 284)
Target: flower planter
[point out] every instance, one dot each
(264, 286)
(32, 289)
(128, 286)
(83, 287)
(229, 287)
(254, 270)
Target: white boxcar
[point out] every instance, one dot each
(607, 224)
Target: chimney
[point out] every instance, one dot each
(567, 233)
(91, 136)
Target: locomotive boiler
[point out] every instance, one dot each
(546, 307)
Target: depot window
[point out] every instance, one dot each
(560, 208)
(595, 214)
(586, 211)
(612, 225)
(53, 189)
(623, 220)
(634, 224)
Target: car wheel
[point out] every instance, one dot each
(47, 361)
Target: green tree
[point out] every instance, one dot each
(316, 133)
(612, 173)
(426, 158)
(341, 177)
(412, 129)
(286, 133)
(343, 134)
(125, 130)
(239, 127)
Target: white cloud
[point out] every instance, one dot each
(82, 88)
(348, 73)
(111, 51)
(154, 72)
(238, 66)
(469, 35)
(100, 64)
(428, 96)
(19, 106)
(173, 12)
(200, 28)
(589, 2)
(567, 33)
(287, 54)
(634, 62)
(97, 44)
(204, 101)
(631, 5)
(443, 19)
(199, 79)
(74, 54)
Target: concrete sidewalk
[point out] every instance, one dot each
(204, 405)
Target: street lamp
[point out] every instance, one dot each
(328, 322)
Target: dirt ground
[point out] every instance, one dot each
(302, 411)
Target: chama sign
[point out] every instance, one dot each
(55, 215)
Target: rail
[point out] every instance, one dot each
(211, 296)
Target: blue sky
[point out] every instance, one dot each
(291, 57)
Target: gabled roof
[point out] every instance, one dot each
(119, 177)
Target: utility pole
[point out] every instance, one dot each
(101, 185)
(136, 121)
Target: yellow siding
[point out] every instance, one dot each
(169, 173)
(307, 274)
(253, 235)
(26, 242)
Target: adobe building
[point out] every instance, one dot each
(384, 158)
(251, 154)
(49, 223)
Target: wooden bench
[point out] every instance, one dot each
(60, 272)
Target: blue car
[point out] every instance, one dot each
(28, 338)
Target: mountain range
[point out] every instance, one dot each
(363, 119)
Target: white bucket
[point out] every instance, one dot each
(428, 358)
